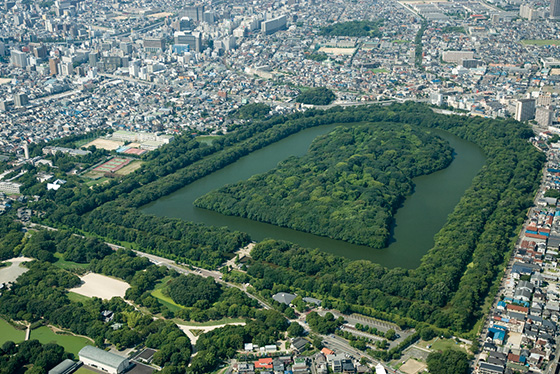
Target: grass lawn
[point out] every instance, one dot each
(77, 297)
(71, 343)
(207, 139)
(439, 344)
(8, 332)
(379, 70)
(541, 42)
(69, 265)
(84, 370)
(95, 182)
(130, 168)
(80, 143)
(166, 301)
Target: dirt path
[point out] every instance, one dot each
(204, 329)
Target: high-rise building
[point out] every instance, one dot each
(525, 109)
(19, 58)
(126, 48)
(209, 17)
(40, 51)
(154, 45)
(66, 68)
(94, 58)
(195, 13)
(53, 65)
(544, 116)
(273, 25)
(20, 100)
(192, 39)
(555, 9)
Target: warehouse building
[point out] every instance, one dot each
(102, 360)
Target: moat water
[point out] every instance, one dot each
(422, 215)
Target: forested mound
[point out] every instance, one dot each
(347, 187)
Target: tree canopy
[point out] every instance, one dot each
(316, 96)
(348, 186)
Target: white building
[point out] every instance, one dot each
(102, 360)
(10, 187)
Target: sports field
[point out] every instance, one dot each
(107, 144)
(412, 367)
(113, 165)
(130, 168)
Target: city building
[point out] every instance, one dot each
(544, 116)
(525, 109)
(456, 56)
(192, 39)
(273, 25)
(20, 100)
(154, 45)
(10, 187)
(194, 13)
(19, 58)
(555, 9)
(102, 360)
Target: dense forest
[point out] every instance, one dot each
(348, 186)
(316, 96)
(445, 290)
(353, 28)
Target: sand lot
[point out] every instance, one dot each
(97, 285)
(338, 51)
(12, 272)
(107, 144)
(514, 340)
(412, 367)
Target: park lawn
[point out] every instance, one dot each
(68, 265)
(71, 343)
(541, 42)
(10, 333)
(76, 297)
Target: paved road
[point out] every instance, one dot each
(199, 271)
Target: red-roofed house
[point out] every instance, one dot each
(263, 363)
(327, 351)
(517, 308)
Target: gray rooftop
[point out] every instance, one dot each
(106, 358)
(284, 297)
(64, 367)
